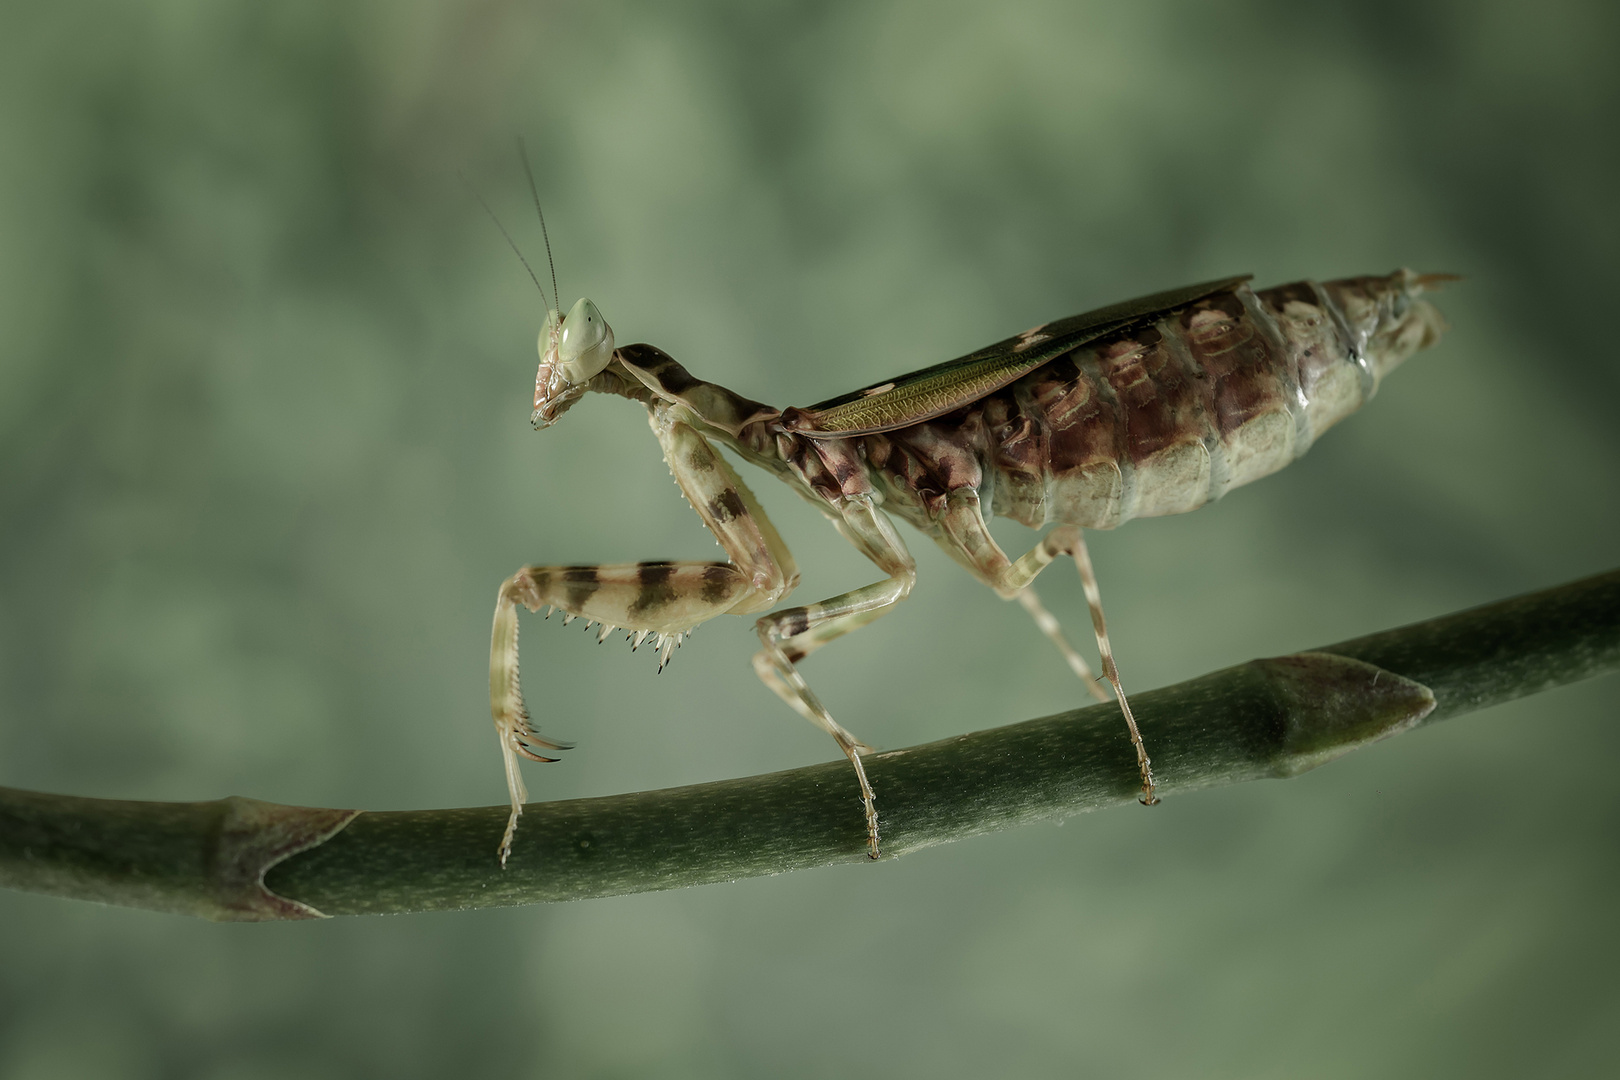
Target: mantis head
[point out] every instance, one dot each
(574, 348)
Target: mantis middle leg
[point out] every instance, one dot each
(791, 635)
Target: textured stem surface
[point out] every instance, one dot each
(240, 859)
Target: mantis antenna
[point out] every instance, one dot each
(523, 156)
(513, 245)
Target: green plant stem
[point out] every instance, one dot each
(241, 859)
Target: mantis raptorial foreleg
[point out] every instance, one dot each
(964, 535)
(666, 599)
(791, 635)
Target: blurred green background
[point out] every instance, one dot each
(265, 372)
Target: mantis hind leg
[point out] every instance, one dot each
(964, 536)
(1047, 623)
(789, 636)
(1088, 582)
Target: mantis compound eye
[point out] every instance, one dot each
(585, 344)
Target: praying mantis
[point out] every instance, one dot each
(1148, 407)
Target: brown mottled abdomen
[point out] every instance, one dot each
(1169, 415)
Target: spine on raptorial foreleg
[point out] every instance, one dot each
(1166, 416)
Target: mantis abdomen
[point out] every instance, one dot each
(1168, 415)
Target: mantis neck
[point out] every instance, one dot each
(648, 375)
